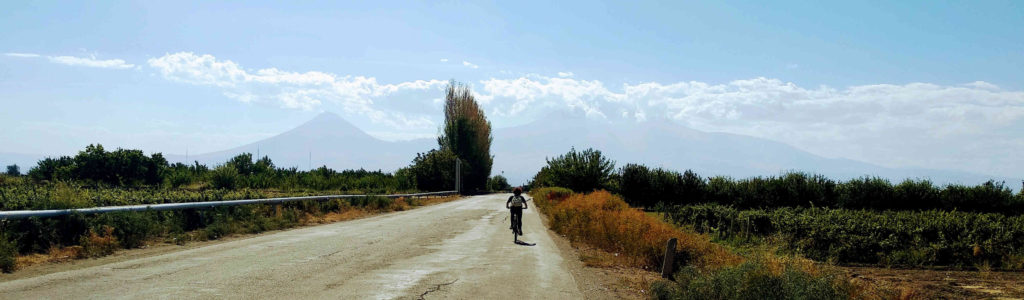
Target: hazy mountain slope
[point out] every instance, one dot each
(520, 151)
(325, 140)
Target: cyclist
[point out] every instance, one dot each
(516, 204)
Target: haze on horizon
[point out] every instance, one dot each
(929, 85)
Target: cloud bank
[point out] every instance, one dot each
(975, 126)
(354, 94)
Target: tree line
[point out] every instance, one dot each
(643, 186)
(465, 137)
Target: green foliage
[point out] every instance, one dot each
(435, 170)
(754, 279)
(96, 165)
(645, 187)
(224, 177)
(899, 238)
(8, 253)
(13, 170)
(498, 183)
(405, 179)
(130, 168)
(579, 171)
(467, 133)
(132, 229)
(552, 193)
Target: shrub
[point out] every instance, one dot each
(584, 171)
(8, 254)
(434, 170)
(758, 278)
(224, 177)
(498, 183)
(96, 165)
(97, 245)
(132, 229)
(644, 187)
(178, 179)
(13, 170)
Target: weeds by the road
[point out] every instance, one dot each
(8, 252)
(605, 221)
(758, 278)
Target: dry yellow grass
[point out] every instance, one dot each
(606, 222)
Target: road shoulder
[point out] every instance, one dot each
(601, 282)
(159, 246)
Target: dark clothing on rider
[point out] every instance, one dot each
(516, 204)
(517, 219)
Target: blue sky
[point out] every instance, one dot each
(897, 83)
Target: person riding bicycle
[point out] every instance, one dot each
(516, 204)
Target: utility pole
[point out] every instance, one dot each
(458, 175)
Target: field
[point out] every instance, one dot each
(932, 238)
(796, 234)
(706, 270)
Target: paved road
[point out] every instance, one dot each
(461, 249)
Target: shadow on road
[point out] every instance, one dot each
(522, 243)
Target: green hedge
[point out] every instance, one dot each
(646, 187)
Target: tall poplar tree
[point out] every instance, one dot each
(467, 133)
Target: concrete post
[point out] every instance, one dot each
(670, 255)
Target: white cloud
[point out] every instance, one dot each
(26, 55)
(91, 62)
(444, 60)
(975, 126)
(356, 95)
(565, 74)
(78, 61)
(470, 65)
(915, 124)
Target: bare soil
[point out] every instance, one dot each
(943, 284)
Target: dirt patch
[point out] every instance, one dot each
(942, 284)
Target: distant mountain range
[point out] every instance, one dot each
(519, 152)
(326, 140)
